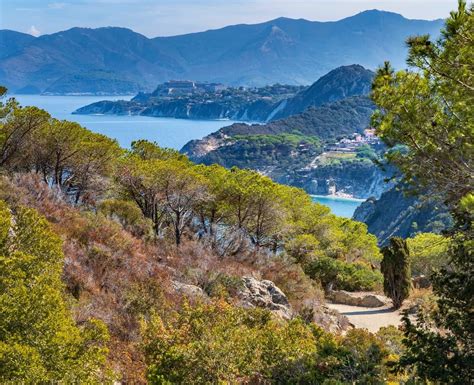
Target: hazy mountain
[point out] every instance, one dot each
(93, 82)
(78, 51)
(12, 41)
(282, 50)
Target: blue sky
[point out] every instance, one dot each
(170, 17)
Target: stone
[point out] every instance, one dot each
(191, 291)
(265, 294)
(331, 320)
(357, 299)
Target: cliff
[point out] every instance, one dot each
(395, 214)
(362, 179)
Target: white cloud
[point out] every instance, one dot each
(34, 31)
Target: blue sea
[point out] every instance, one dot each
(167, 132)
(343, 207)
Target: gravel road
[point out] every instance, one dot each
(368, 317)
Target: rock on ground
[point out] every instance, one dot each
(358, 299)
(191, 291)
(331, 320)
(265, 294)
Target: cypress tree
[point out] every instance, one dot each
(396, 272)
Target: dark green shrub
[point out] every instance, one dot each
(340, 275)
(128, 215)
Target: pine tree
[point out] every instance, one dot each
(430, 113)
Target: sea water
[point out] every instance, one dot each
(167, 132)
(343, 207)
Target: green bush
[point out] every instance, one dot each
(216, 343)
(428, 252)
(340, 275)
(223, 286)
(128, 215)
(39, 340)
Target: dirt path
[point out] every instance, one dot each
(368, 317)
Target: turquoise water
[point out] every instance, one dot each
(343, 207)
(167, 132)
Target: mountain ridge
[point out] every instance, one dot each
(283, 50)
(340, 83)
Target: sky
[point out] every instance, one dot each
(172, 17)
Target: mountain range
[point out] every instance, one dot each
(118, 60)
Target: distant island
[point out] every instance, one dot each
(199, 100)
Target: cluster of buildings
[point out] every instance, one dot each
(356, 140)
(188, 87)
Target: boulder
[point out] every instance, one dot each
(264, 294)
(190, 291)
(331, 320)
(357, 299)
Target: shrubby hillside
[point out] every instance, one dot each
(397, 214)
(144, 240)
(140, 266)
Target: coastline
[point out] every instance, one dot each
(341, 197)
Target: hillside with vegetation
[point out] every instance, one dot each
(140, 266)
(195, 100)
(338, 84)
(320, 148)
(397, 213)
(141, 238)
(286, 51)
